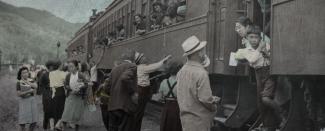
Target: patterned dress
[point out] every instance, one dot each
(28, 111)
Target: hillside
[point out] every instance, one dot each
(29, 33)
(70, 10)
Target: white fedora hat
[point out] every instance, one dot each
(192, 44)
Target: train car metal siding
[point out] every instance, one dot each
(157, 44)
(153, 42)
(298, 28)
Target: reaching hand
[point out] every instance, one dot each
(167, 57)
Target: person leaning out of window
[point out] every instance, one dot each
(157, 16)
(140, 24)
(120, 32)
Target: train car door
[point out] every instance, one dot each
(222, 33)
(298, 28)
(238, 95)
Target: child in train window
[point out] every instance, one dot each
(172, 15)
(258, 57)
(242, 25)
(111, 37)
(120, 32)
(140, 24)
(157, 15)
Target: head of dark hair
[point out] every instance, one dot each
(254, 29)
(245, 21)
(139, 15)
(20, 71)
(84, 67)
(64, 67)
(57, 64)
(128, 55)
(174, 66)
(75, 63)
(120, 27)
(49, 64)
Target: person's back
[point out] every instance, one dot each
(123, 85)
(193, 96)
(188, 100)
(196, 102)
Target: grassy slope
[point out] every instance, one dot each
(32, 33)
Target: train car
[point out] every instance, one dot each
(78, 46)
(297, 53)
(209, 20)
(296, 42)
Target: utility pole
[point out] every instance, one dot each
(57, 53)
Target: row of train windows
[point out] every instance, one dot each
(125, 23)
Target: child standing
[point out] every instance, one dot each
(258, 57)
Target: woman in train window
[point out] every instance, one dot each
(170, 117)
(241, 27)
(26, 90)
(140, 24)
(258, 58)
(157, 15)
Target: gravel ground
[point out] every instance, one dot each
(91, 120)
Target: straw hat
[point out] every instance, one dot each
(192, 45)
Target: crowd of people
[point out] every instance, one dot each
(68, 89)
(162, 15)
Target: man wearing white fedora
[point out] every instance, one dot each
(194, 95)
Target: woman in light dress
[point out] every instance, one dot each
(75, 84)
(26, 90)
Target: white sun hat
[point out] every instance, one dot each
(192, 45)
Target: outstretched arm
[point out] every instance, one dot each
(155, 66)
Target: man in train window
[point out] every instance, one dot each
(157, 15)
(258, 57)
(196, 102)
(140, 24)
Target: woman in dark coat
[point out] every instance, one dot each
(44, 89)
(170, 118)
(52, 83)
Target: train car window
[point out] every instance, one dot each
(165, 12)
